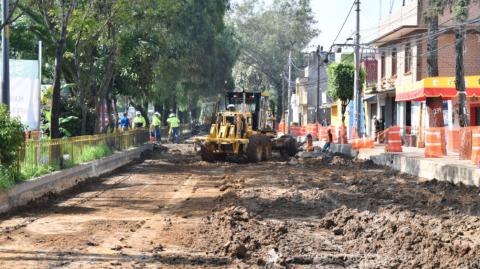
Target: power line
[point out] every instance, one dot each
(424, 36)
(343, 25)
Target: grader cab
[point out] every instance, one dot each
(246, 128)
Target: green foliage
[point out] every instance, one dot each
(95, 153)
(340, 81)
(29, 171)
(267, 33)
(11, 137)
(7, 177)
(341, 78)
(460, 9)
(143, 50)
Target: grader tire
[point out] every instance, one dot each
(267, 149)
(255, 149)
(207, 154)
(290, 147)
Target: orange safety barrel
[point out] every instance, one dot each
(453, 142)
(476, 146)
(394, 141)
(433, 143)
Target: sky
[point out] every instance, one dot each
(330, 15)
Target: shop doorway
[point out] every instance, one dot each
(408, 114)
(475, 115)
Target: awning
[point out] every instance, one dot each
(436, 87)
(370, 98)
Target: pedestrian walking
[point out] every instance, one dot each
(376, 127)
(174, 124)
(124, 123)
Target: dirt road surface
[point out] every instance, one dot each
(174, 211)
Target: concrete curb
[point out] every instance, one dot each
(429, 168)
(28, 191)
(424, 168)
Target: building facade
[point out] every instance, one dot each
(308, 87)
(403, 82)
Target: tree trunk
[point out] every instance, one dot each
(98, 115)
(55, 113)
(111, 120)
(344, 109)
(460, 76)
(434, 104)
(83, 108)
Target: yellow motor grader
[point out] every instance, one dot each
(244, 128)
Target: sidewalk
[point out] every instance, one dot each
(412, 161)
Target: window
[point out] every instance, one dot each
(382, 65)
(394, 62)
(408, 58)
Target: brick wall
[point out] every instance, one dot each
(446, 55)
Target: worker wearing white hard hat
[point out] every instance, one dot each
(174, 124)
(231, 107)
(155, 127)
(139, 121)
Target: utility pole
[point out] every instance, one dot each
(460, 76)
(356, 91)
(319, 93)
(5, 56)
(282, 104)
(290, 116)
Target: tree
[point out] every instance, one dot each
(13, 15)
(460, 11)
(56, 15)
(433, 10)
(340, 83)
(267, 34)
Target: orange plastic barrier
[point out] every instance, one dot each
(394, 141)
(333, 130)
(323, 133)
(282, 127)
(356, 143)
(476, 146)
(434, 145)
(368, 142)
(342, 135)
(312, 129)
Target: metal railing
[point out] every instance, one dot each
(57, 154)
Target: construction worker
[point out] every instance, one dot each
(174, 124)
(139, 121)
(155, 127)
(327, 145)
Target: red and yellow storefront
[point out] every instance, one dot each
(443, 87)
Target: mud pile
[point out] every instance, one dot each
(415, 240)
